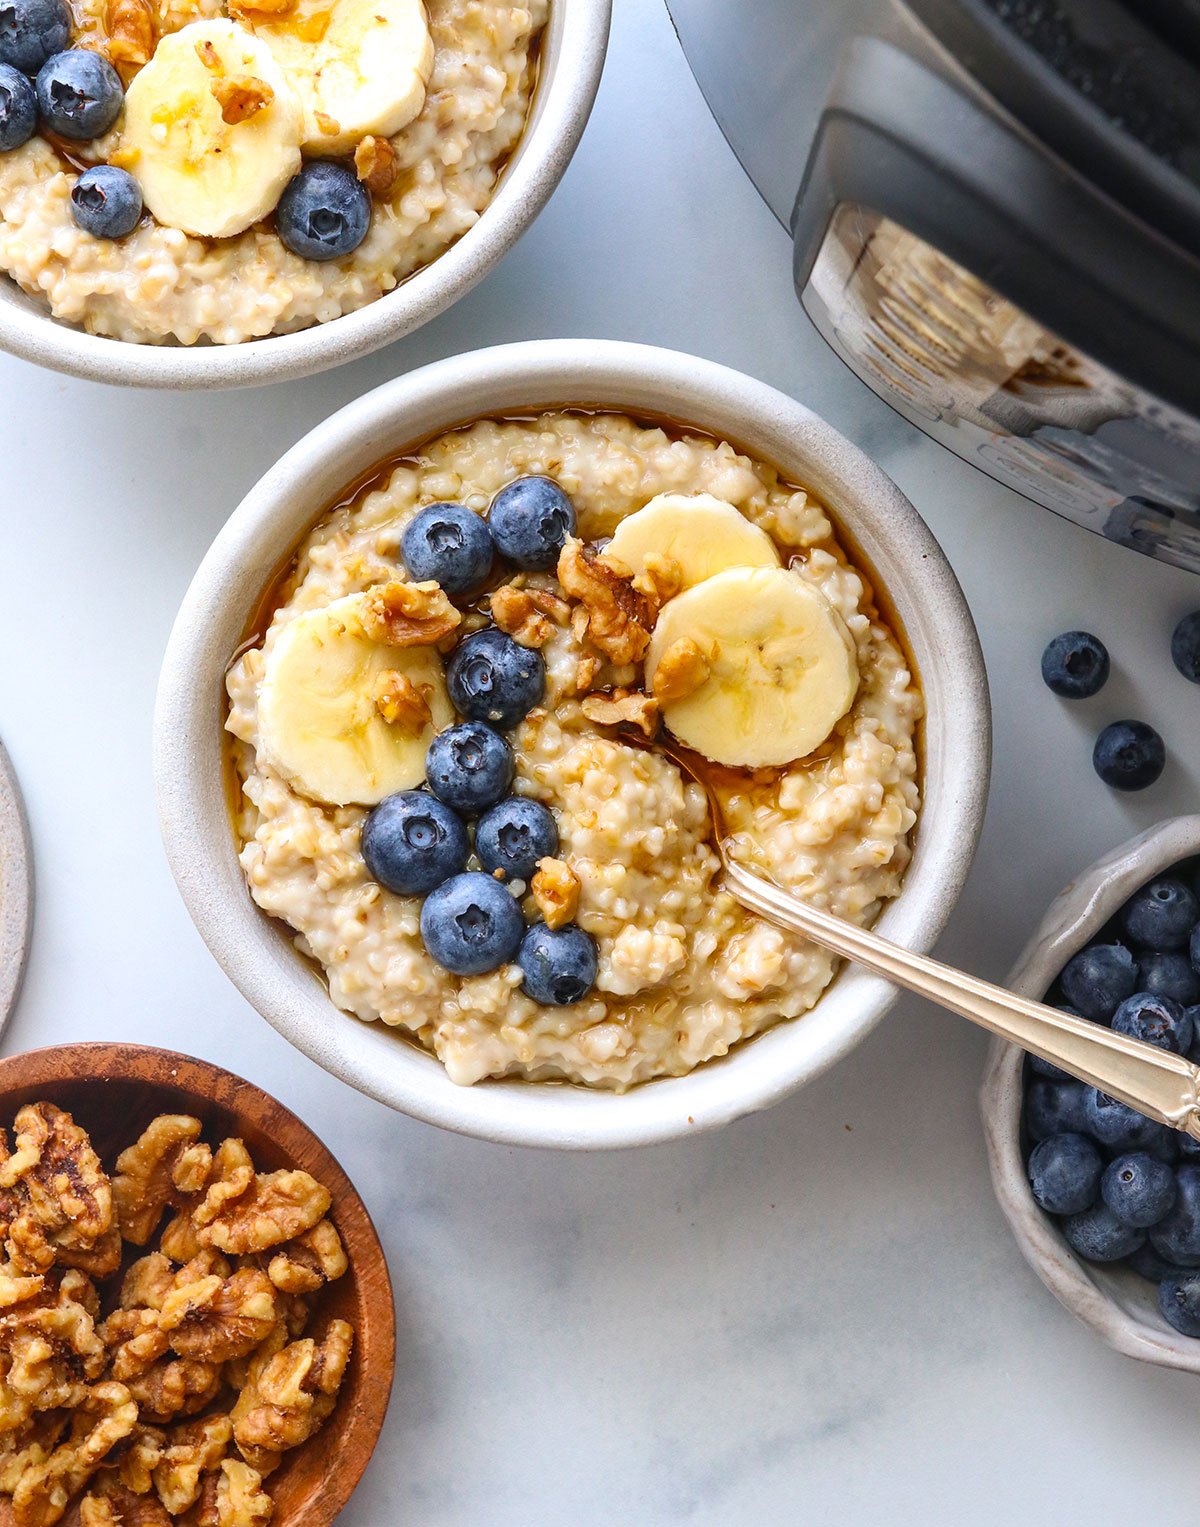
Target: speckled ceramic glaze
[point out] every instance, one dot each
(1115, 1302)
(16, 888)
(571, 60)
(257, 954)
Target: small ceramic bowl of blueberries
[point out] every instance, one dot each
(1105, 1203)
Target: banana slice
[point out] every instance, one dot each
(358, 66)
(326, 694)
(703, 534)
(211, 130)
(766, 664)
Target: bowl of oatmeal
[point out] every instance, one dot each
(408, 740)
(206, 193)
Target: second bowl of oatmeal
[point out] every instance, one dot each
(511, 609)
(202, 194)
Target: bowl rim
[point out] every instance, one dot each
(88, 1062)
(1080, 910)
(560, 373)
(571, 64)
(16, 888)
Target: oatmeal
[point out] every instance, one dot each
(273, 199)
(746, 631)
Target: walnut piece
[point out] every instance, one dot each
(147, 1283)
(24, 1446)
(193, 1449)
(143, 1185)
(175, 1386)
(278, 1206)
(106, 1415)
(215, 1319)
(256, 10)
(529, 616)
(586, 669)
(49, 1348)
(208, 55)
(113, 1504)
(243, 98)
(315, 1258)
(619, 617)
(241, 1499)
(623, 707)
(135, 1342)
(680, 672)
(328, 125)
(232, 1176)
(660, 579)
(139, 1458)
(65, 1200)
(289, 1398)
(408, 614)
(180, 1239)
(555, 889)
(130, 35)
(376, 164)
(402, 703)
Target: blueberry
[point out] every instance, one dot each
(1118, 1126)
(1147, 1263)
(1179, 1301)
(559, 964)
(1098, 979)
(79, 94)
(1064, 1173)
(530, 520)
(1047, 1068)
(18, 108)
(1075, 665)
(1055, 1108)
(1188, 1145)
(493, 678)
(1177, 1235)
(31, 30)
(514, 835)
(1097, 1235)
(449, 544)
(324, 212)
(1194, 948)
(106, 202)
(1157, 1021)
(1185, 641)
(1138, 1189)
(1129, 755)
(469, 766)
(471, 924)
(1161, 914)
(411, 842)
(1169, 975)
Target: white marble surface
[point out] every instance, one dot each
(815, 1316)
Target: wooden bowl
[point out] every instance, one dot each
(113, 1091)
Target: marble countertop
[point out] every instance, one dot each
(817, 1315)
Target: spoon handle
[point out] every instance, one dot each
(1157, 1083)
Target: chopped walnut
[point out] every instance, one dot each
(139, 1458)
(66, 1199)
(113, 1504)
(193, 1449)
(408, 614)
(315, 1258)
(241, 99)
(623, 707)
(232, 1176)
(106, 1415)
(529, 616)
(328, 125)
(130, 32)
(215, 1319)
(98, 1261)
(143, 1185)
(681, 670)
(256, 10)
(402, 703)
(147, 1283)
(192, 1167)
(241, 1499)
(175, 1387)
(586, 669)
(208, 55)
(377, 164)
(204, 1512)
(50, 1347)
(278, 1207)
(660, 579)
(290, 1398)
(24, 1445)
(619, 618)
(555, 889)
(180, 1239)
(135, 1341)
(16, 1287)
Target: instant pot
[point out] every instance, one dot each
(995, 209)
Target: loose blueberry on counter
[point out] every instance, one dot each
(18, 109)
(559, 964)
(106, 202)
(324, 212)
(31, 30)
(1129, 755)
(450, 544)
(1064, 1173)
(1098, 1235)
(1179, 1301)
(1169, 975)
(1158, 1021)
(469, 766)
(471, 924)
(411, 842)
(1056, 1108)
(1177, 1236)
(514, 835)
(1185, 646)
(1161, 915)
(1119, 1127)
(1138, 1189)
(79, 94)
(1099, 979)
(1075, 665)
(492, 678)
(530, 520)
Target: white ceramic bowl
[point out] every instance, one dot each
(572, 57)
(255, 952)
(1115, 1302)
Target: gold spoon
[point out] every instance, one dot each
(1159, 1084)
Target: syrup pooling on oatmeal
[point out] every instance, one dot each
(682, 973)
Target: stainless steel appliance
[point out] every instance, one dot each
(995, 208)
